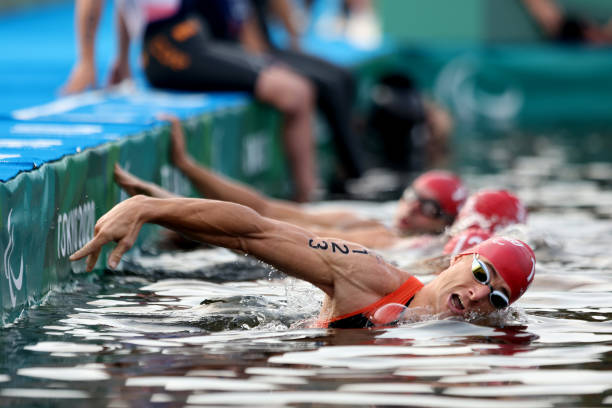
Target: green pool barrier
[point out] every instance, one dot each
(48, 213)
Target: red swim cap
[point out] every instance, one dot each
(491, 210)
(465, 240)
(513, 260)
(445, 187)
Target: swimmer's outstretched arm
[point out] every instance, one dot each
(217, 187)
(332, 265)
(372, 237)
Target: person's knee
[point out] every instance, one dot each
(301, 96)
(297, 95)
(285, 90)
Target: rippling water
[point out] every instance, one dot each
(209, 328)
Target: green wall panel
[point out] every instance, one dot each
(48, 213)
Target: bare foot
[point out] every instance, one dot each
(82, 78)
(134, 186)
(119, 72)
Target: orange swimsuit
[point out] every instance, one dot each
(361, 318)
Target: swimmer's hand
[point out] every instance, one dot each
(178, 149)
(121, 225)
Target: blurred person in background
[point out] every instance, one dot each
(413, 132)
(558, 25)
(434, 211)
(335, 87)
(221, 45)
(354, 21)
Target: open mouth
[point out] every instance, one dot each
(456, 302)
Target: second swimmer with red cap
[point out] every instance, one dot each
(356, 281)
(429, 205)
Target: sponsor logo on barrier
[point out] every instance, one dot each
(254, 157)
(458, 85)
(75, 228)
(13, 281)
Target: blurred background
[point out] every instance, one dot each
(511, 87)
(493, 79)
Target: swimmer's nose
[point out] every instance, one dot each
(413, 206)
(478, 292)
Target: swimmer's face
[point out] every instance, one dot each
(418, 212)
(460, 293)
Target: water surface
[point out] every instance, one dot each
(210, 328)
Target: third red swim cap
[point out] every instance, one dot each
(465, 240)
(445, 187)
(491, 210)
(513, 260)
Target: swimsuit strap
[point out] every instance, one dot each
(401, 295)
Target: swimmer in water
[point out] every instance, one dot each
(484, 214)
(427, 207)
(356, 281)
(490, 211)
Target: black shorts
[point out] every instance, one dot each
(179, 53)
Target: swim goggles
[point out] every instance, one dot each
(429, 207)
(481, 273)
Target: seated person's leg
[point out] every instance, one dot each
(293, 95)
(196, 62)
(335, 98)
(319, 69)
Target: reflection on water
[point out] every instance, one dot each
(210, 328)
